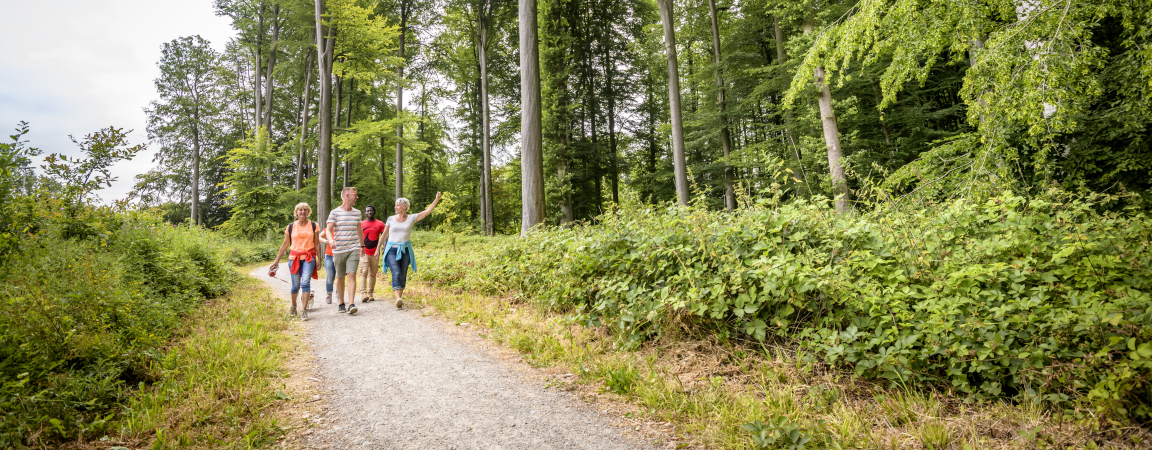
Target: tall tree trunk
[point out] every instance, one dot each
(679, 165)
(304, 122)
(485, 133)
(831, 134)
(725, 137)
(612, 131)
(258, 85)
(399, 175)
(781, 58)
(271, 82)
(195, 219)
(531, 139)
(339, 98)
(324, 110)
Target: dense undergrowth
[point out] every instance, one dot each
(89, 298)
(1042, 299)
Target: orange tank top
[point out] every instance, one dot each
(303, 239)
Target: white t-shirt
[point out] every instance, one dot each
(398, 231)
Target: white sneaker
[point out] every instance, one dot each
(303, 315)
(399, 303)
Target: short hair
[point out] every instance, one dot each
(302, 205)
(345, 190)
(404, 201)
(369, 206)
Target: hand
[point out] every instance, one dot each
(437, 196)
(274, 266)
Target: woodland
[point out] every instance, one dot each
(945, 199)
(904, 100)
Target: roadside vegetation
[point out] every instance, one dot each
(892, 325)
(103, 334)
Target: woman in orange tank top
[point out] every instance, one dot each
(302, 237)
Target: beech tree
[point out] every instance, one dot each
(184, 116)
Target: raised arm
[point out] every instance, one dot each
(422, 214)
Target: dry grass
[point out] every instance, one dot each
(706, 391)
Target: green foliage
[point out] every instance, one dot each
(255, 203)
(15, 177)
(81, 315)
(778, 433)
(1044, 298)
(83, 176)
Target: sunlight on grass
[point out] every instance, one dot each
(217, 385)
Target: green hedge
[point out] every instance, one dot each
(1045, 298)
(86, 298)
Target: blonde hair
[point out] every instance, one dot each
(302, 205)
(404, 201)
(345, 190)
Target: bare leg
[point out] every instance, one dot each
(351, 292)
(294, 300)
(340, 291)
(399, 293)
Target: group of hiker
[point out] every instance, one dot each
(352, 249)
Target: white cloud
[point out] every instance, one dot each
(71, 67)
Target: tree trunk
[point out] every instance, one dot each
(324, 110)
(271, 82)
(831, 135)
(339, 98)
(781, 58)
(485, 138)
(304, 122)
(612, 133)
(678, 162)
(725, 137)
(195, 219)
(257, 85)
(531, 139)
(399, 175)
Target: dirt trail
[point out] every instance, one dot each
(392, 379)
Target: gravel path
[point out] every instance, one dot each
(395, 380)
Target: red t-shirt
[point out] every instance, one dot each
(372, 231)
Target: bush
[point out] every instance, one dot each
(86, 300)
(1045, 298)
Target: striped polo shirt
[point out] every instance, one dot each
(347, 229)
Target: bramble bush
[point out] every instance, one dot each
(1035, 299)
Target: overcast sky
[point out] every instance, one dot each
(76, 66)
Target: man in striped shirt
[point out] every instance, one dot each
(347, 239)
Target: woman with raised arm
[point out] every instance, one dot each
(398, 253)
(303, 237)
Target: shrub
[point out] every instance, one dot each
(85, 302)
(1044, 298)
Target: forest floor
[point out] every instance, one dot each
(405, 379)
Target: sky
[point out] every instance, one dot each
(72, 67)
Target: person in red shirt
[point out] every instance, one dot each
(370, 257)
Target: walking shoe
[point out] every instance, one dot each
(399, 303)
(329, 301)
(292, 312)
(352, 309)
(364, 300)
(341, 308)
(304, 315)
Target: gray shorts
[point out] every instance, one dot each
(346, 263)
